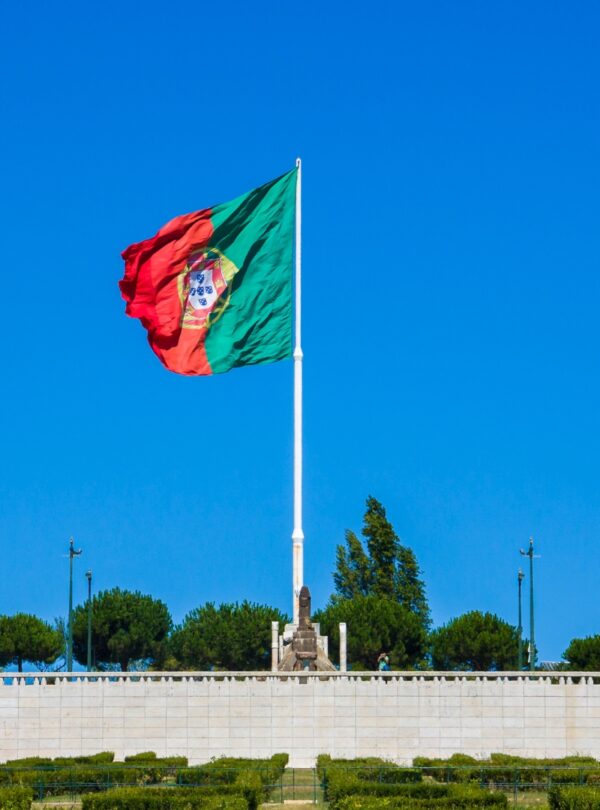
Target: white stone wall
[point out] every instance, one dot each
(393, 715)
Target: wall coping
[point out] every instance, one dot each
(50, 678)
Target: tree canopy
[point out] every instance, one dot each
(583, 654)
(230, 636)
(386, 568)
(24, 637)
(126, 626)
(376, 624)
(475, 641)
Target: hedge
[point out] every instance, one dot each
(161, 799)
(505, 769)
(367, 769)
(572, 798)
(249, 778)
(325, 761)
(102, 758)
(224, 771)
(78, 778)
(341, 784)
(15, 798)
(470, 799)
(59, 776)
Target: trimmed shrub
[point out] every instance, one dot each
(15, 798)
(162, 799)
(143, 756)
(227, 777)
(225, 771)
(102, 758)
(341, 784)
(28, 762)
(473, 798)
(574, 798)
(228, 781)
(367, 769)
(49, 780)
(505, 769)
(78, 778)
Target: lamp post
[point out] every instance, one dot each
(72, 553)
(89, 627)
(532, 655)
(520, 578)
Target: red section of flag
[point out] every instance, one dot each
(150, 288)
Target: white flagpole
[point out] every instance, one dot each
(298, 534)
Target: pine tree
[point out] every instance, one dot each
(475, 641)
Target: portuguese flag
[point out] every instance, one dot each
(214, 288)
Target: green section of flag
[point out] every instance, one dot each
(256, 232)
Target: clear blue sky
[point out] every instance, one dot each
(451, 242)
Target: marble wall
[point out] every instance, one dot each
(393, 715)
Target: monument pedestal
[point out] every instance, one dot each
(302, 647)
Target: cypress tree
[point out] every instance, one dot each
(386, 569)
(352, 574)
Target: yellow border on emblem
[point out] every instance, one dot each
(228, 270)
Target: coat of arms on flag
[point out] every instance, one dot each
(204, 287)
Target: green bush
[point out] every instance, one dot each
(506, 769)
(228, 777)
(143, 756)
(574, 798)
(251, 787)
(49, 780)
(341, 784)
(472, 799)
(77, 778)
(214, 778)
(102, 758)
(162, 799)
(225, 771)
(367, 769)
(247, 782)
(28, 762)
(15, 798)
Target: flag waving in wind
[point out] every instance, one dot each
(214, 288)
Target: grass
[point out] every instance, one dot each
(289, 806)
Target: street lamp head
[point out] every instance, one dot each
(521, 575)
(88, 574)
(73, 552)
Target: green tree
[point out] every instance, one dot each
(375, 624)
(126, 626)
(230, 636)
(583, 654)
(386, 568)
(26, 638)
(352, 576)
(475, 641)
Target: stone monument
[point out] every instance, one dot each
(305, 649)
